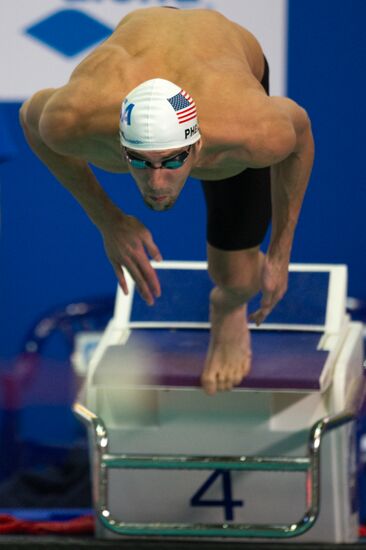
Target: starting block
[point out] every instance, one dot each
(273, 458)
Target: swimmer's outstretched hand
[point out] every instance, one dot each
(274, 280)
(128, 243)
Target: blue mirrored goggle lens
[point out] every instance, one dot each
(173, 164)
(139, 163)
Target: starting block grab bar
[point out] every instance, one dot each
(309, 465)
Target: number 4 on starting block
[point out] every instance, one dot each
(227, 502)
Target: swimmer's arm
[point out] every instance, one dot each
(283, 141)
(290, 153)
(289, 179)
(126, 240)
(73, 173)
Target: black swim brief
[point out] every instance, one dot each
(239, 207)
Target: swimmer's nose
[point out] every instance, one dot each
(157, 180)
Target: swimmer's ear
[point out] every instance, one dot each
(198, 146)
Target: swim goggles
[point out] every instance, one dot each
(171, 163)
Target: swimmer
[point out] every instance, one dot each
(171, 94)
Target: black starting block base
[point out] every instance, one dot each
(81, 543)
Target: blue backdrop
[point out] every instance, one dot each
(326, 74)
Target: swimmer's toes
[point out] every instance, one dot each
(208, 382)
(238, 377)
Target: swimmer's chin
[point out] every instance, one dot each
(160, 207)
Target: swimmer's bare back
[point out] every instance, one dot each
(198, 48)
(217, 61)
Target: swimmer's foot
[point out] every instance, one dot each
(229, 355)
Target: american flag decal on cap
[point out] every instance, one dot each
(184, 106)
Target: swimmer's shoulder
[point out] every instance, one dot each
(256, 132)
(264, 131)
(72, 113)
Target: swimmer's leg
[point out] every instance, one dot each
(236, 275)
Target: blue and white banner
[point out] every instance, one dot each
(41, 41)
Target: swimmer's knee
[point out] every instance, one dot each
(237, 272)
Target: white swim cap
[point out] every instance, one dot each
(158, 115)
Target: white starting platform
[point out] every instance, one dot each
(273, 458)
